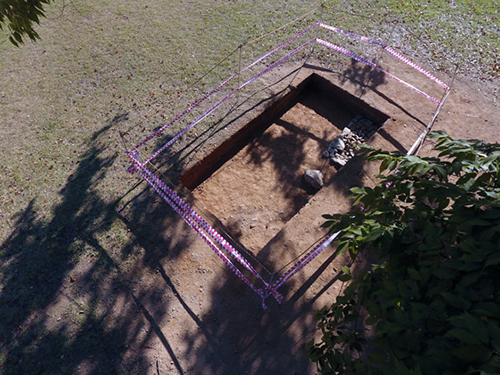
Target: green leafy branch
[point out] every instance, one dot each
(20, 17)
(432, 300)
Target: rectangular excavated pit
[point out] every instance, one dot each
(253, 182)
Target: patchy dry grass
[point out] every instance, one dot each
(68, 255)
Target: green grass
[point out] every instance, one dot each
(65, 198)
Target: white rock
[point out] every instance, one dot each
(338, 160)
(338, 143)
(346, 131)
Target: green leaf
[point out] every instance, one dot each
(413, 273)
(456, 300)
(327, 224)
(493, 260)
(371, 320)
(357, 190)
(492, 366)
(476, 354)
(342, 247)
(463, 335)
(346, 270)
(442, 173)
(471, 323)
(345, 278)
(384, 165)
(488, 309)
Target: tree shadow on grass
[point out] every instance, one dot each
(67, 303)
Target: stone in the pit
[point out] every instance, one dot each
(314, 178)
(337, 144)
(338, 161)
(346, 132)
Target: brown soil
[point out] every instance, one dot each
(261, 188)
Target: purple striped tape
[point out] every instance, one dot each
(372, 64)
(149, 177)
(188, 212)
(218, 104)
(191, 107)
(388, 49)
(195, 221)
(304, 260)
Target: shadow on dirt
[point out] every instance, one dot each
(364, 75)
(245, 339)
(68, 304)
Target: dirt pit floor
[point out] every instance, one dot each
(257, 191)
(261, 188)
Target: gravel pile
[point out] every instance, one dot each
(344, 146)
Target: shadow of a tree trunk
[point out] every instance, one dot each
(66, 302)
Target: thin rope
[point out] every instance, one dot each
(284, 26)
(294, 260)
(220, 62)
(189, 87)
(198, 223)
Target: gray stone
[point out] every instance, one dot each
(314, 178)
(338, 143)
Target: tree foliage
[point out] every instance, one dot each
(20, 16)
(431, 304)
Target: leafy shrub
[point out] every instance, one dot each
(19, 16)
(432, 301)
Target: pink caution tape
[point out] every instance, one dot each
(329, 45)
(415, 66)
(388, 49)
(198, 223)
(191, 107)
(372, 64)
(307, 258)
(218, 104)
(152, 180)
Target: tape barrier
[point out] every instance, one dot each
(215, 106)
(415, 66)
(307, 258)
(194, 220)
(340, 31)
(327, 44)
(372, 64)
(152, 180)
(388, 49)
(340, 49)
(190, 108)
(191, 216)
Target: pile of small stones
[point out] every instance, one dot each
(343, 147)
